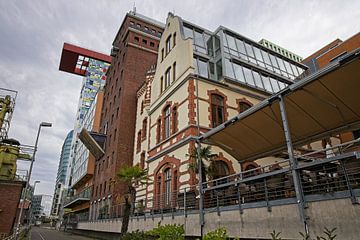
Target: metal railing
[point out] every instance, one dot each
(324, 174)
(85, 194)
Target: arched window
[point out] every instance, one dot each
(219, 170)
(243, 106)
(166, 122)
(251, 170)
(217, 110)
(167, 185)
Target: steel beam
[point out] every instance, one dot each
(293, 165)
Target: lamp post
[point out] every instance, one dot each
(42, 124)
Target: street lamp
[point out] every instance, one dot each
(42, 124)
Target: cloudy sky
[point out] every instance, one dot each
(32, 34)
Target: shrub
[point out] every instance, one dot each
(168, 232)
(218, 234)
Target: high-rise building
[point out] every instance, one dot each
(61, 174)
(284, 52)
(41, 206)
(84, 163)
(93, 67)
(135, 49)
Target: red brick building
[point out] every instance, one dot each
(331, 52)
(134, 51)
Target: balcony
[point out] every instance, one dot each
(78, 199)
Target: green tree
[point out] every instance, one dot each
(204, 154)
(133, 176)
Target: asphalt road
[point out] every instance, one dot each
(38, 233)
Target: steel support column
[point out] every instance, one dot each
(293, 165)
(201, 193)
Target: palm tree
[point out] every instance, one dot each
(204, 154)
(133, 176)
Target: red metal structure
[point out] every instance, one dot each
(75, 59)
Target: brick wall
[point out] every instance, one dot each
(137, 53)
(10, 193)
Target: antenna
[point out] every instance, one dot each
(134, 8)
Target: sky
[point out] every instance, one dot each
(32, 34)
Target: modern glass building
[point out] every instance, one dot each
(61, 174)
(227, 54)
(41, 206)
(81, 156)
(94, 80)
(64, 158)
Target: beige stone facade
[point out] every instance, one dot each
(178, 109)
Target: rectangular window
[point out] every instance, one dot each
(199, 40)
(273, 60)
(228, 68)
(167, 122)
(239, 73)
(217, 110)
(162, 54)
(248, 76)
(158, 131)
(274, 84)
(249, 50)
(241, 47)
(138, 142)
(231, 42)
(161, 84)
(257, 79)
(203, 68)
(267, 84)
(168, 45)
(174, 71)
(174, 39)
(167, 78)
(188, 32)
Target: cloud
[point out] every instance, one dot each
(32, 34)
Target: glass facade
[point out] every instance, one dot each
(93, 81)
(255, 54)
(226, 54)
(64, 159)
(82, 153)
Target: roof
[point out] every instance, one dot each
(321, 104)
(72, 55)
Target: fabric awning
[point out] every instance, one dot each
(325, 103)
